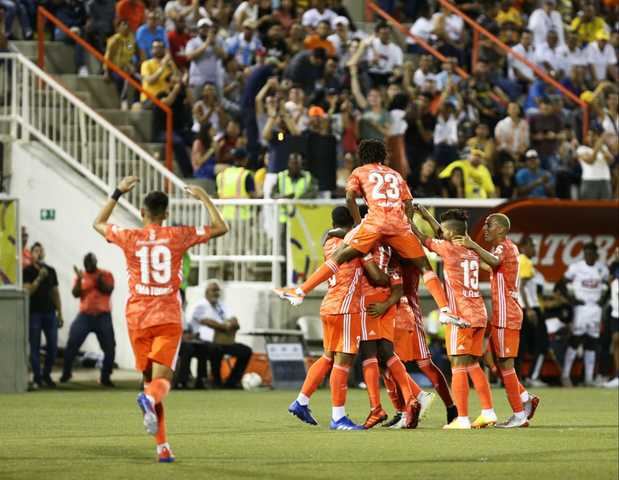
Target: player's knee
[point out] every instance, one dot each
(575, 341)
(590, 343)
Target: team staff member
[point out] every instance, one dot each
(94, 288)
(41, 283)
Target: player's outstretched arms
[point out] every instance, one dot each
(487, 257)
(125, 185)
(218, 225)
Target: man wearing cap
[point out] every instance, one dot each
(245, 44)
(532, 181)
(601, 58)
(588, 25)
(341, 36)
(544, 19)
(236, 182)
(204, 51)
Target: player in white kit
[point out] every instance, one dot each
(588, 279)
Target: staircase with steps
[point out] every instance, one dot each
(96, 92)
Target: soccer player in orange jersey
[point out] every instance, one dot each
(506, 313)
(153, 310)
(388, 222)
(340, 315)
(464, 345)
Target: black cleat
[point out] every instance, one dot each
(452, 414)
(48, 382)
(393, 420)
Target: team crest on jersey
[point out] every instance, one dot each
(152, 235)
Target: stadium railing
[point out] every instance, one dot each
(44, 16)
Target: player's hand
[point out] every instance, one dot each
(59, 320)
(195, 191)
(43, 273)
(463, 241)
(77, 271)
(127, 183)
(378, 309)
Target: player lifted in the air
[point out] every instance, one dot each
(506, 313)
(153, 310)
(388, 221)
(464, 345)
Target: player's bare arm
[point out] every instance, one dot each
(351, 203)
(125, 185)
(375, 275)
(214, 324)
(428, 217)
(218, 225)
(379, 309)
(465, 241)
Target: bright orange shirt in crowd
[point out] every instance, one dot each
(26, 257)
(312, 42)
(133, 12)
(506, 311)
(93, 301)
(384, 191)
(154, 256)
(344, 293)
(461, 267)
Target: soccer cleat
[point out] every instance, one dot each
(164, 453)
(531, 405)
(396, 419)
(345, 423)
(484, 421)
(411, 414)
(302, 412)
(377, 415)
(514, 422)
(425, 400)
(65, 377)
(150, 416)
(449, 318)
(452, 413)
(291, 294)
(566, 382)
(457, 424)
(614, 383)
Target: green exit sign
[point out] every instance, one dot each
(48, 214)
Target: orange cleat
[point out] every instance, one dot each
(377, 415)
(413, 409)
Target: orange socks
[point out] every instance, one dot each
(402, 378)
(158, 389)
(433, 284)
(315, 375)
(371, 375)
(438, 380)
(339, 385)
(460, 390)
(510, 380)
(394, 393)
(161, 436)
(322, 274)
(482, 387)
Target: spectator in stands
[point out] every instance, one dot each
(482, 141)
(428, 184)
(477, 178)
(610, 121)
(595, 162)
(546, 128)
(320, 150)
(320, 39)
(178, 38)
(247, 10)
(418, 137)
(133, 11)
(340, 39)
(4, 38)
(423, 72)
(294, 182)
(203, 158)
(41, 283)
(532, 181)
(209, 109)
(215, 322)
(236, 182)
(229, 141)
(512, 133)
(157, 72)
(551, 55)
(121, 52)
(518, 71)
(148, 33)
(505, 179)
(94, 288)
(508, 13)
(189, 12)
(447, 74)
(574, 54)
(587, 26)
(26, 254)
(313, 16)
(449, 28)
(24, 11)
(245, 45)
(99, 22)
(274, 43)
(306, 68)
(204, 53)
(601, 58)
(446, 132)
(286, 14)
(384, 56)
(453, 185)
(73, 14)
(421, 28)
(543, 19)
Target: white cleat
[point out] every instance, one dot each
(425, 399)
(150, 416)
(400, 424)
(458, 424)
(291, 294)
(614, 383)
(514, 422)
(446, 318)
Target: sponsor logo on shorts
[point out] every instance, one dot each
(372, 332)
(461, 347)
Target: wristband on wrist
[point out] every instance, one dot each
(116, 195)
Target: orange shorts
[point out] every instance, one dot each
(368, 235)
(341, 333)
(464, 341)
(504, 341)
(158, 344)
(410, 345)
(375, 328)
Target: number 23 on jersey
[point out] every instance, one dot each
(386, 186)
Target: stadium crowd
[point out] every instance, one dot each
(251, 82)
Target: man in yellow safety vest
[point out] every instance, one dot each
(236, 182)
(294, 182)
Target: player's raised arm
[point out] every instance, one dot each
(351, 203)
(376, 276)
(485, 255)
(426, 216)
(125, 185)
(218, 225)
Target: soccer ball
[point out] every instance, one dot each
(251, 381)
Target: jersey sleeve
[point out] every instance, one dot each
(195, 235)
(406, 192)
(570, 274)
(354, 183)
(438, 246)
(500, 253)
(116, 235)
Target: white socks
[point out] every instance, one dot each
(537, 369)
(520, 415)
(337, 413)
(589, 365)
(524, 396)
(570, 356)
(464, 421)
(303, 399)
(488, 413)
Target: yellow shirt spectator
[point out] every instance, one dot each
(477, 178)
(162, 83)
(588, 31)
(526, 267)
(511, 15)
(121, 50)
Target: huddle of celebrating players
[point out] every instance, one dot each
(371, 306)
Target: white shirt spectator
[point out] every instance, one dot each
(600, 59)
(610, 126)
(175, 7)
(204, 310)
(556, 57)
(588, 281)
(446, 131)
(313, 17)
(419, 79)
(389, 56)
(598, 170)
(511, 136)
(529, 54)
(205, 68)
(442, 77)
(341, 45)
(245, 11)
(540, 23)
(574, 58)
(453, 25)
(422, 28)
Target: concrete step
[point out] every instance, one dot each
(59, 56)
(104, 94)
(142, 120)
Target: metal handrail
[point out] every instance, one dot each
(44, 15)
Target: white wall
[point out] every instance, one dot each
(43, 181)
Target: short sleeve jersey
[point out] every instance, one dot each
(344, 291)
(382, 256)
(384, 191)
(588, 281)
(154, 256)
(506, 311)
(461, 269)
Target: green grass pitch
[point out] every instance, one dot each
(88, 433)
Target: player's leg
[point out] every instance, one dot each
(397, 400)
(77, 335)
(474, 343)
(371, 376)
(590, 345)
(104, 330)
(339, 389)
(460, 390)
(574, 342)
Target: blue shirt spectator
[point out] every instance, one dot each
(147, 34)
(532, 181)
